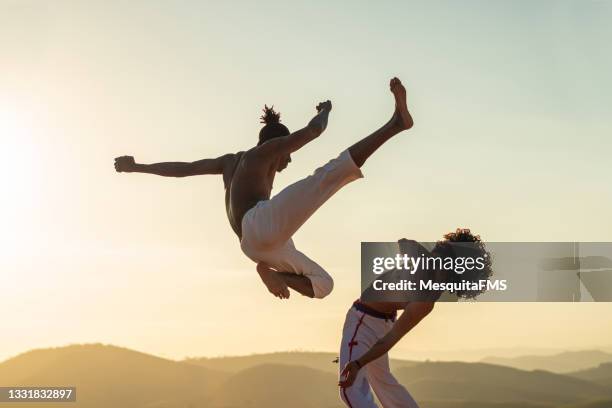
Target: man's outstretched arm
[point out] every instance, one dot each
(174, 169)
(296, 140)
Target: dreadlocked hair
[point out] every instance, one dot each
(269, 116)
(272, 128)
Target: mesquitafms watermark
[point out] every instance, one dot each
(498, 272)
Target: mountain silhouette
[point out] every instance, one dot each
(108, 376)
(565, 362)
(278, 385)
(487, 382)
(318, 361)
(601, 374)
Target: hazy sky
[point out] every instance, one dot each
(512, 103)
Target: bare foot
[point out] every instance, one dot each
(275, 284)
(401, 116)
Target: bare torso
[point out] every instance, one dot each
(248, 179)
(391, 307)
(386, 307)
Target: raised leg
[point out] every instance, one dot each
(273, 222)
(287, 211)
(401, 120)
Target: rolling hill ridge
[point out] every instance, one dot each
(109, 376)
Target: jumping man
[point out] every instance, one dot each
(265, 225)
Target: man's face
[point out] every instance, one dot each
(283, 163)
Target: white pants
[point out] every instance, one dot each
(267, 228)
(360, 332)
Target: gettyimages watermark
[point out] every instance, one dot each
(486, 272)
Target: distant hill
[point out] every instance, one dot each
(557, 363)
(318, 361)
(594, 404)
(601, 374)
(278, 385)
(486, 382)
(477, 404)
(108, 376)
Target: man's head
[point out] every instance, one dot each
(271, 130)
(461, 246)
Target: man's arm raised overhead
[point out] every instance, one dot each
(296, 140)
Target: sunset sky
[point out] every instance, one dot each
(512, 104)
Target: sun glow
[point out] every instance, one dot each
(19, 174)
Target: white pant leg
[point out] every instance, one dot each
(362, 331)
(390, 393)
(356, 340)
(288, 259)
(273, 222)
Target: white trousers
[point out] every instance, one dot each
(360, 332)
(267, 228)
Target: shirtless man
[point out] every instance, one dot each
(371, 329)
(265, 225)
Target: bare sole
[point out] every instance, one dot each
(401, 108)
(275, 284)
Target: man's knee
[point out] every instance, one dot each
(355, 398)
(322, 286)
(347, 395)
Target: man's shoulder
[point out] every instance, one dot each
(231, 158)
(270, 147)
(256, 153)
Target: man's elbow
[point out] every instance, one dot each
(427, 307)
(421, 309)
(315, 129)
(183, 172)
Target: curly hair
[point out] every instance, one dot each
(462, 243)
(273, 128)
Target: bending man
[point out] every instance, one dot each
(371, 328)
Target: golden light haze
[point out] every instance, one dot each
(512, 139)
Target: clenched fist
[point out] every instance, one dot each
(125, 164)
(327, 105)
